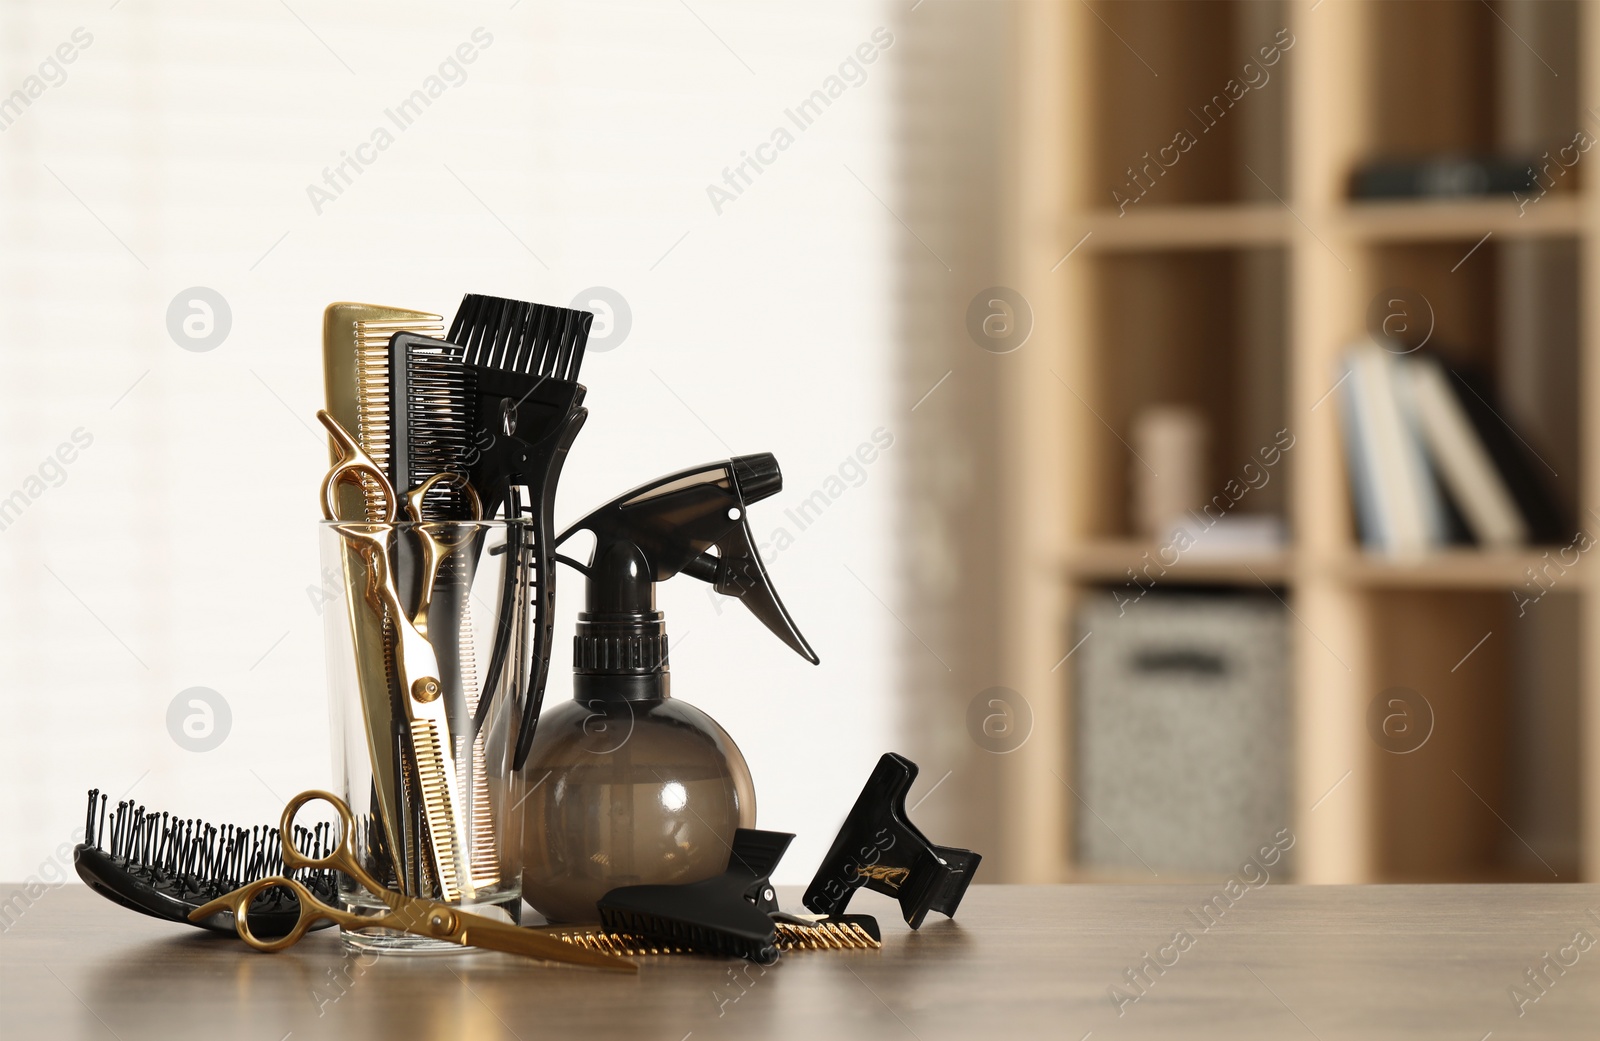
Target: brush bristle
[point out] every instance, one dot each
(517, 336)
(195, 861)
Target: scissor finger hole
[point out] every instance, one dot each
(273, 912)
(315, 831)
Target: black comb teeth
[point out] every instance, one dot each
(518, 336)
(430, 405)
(166, 866)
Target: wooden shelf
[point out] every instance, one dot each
(1240, 311)
(1469, 221)
(1454, 569)
(1254, 225)
(1110, 560)
(1183, 227)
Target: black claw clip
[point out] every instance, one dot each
(879, 848)
(730, 914)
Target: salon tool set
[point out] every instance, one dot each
(625, 816)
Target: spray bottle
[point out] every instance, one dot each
(626, 785)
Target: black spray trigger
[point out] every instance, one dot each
(741, 574)
(694, 522)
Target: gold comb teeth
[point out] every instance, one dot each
(485, 866)
(824, 936)
(438, 806)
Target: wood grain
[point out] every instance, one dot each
(1285, 962)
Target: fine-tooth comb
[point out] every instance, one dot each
(522, 361)
(355, 364)
(730, 914)
(851, 932)
(166, 866)
(431, 414)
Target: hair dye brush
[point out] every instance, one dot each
(166, 867)
(521, 362)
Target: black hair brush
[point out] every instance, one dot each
(166, 866)
(731, 914)
(521, 362)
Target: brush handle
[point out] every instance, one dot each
(544, 589)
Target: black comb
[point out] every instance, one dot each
(165, 866)
(521, 362)
(430, 419)
(728, 915)
(878, 847)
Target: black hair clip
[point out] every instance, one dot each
(730, 914)
(879, 848)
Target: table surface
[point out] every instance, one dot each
(1313, 962)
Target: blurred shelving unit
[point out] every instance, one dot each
(1232, 285)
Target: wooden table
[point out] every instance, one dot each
(1299, 963)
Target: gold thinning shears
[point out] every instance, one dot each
(408, 914)
(415, 663)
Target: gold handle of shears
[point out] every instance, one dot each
(415, 496)
(352, 466)
(343, 856)
(312, 910)
(435, 549)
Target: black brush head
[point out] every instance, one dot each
(730, 914)
(521, 363)
(523, 337)
(166, 867)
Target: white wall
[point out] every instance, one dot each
(179, 548)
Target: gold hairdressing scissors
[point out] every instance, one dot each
(406, 913)
(415, 663)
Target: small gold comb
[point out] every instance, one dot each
(856, 932)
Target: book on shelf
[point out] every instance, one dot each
(1462, 459)
(1432, 461)
(1395, 490)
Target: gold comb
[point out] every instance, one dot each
(351, 334)
(355, 370)
(843, 933)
